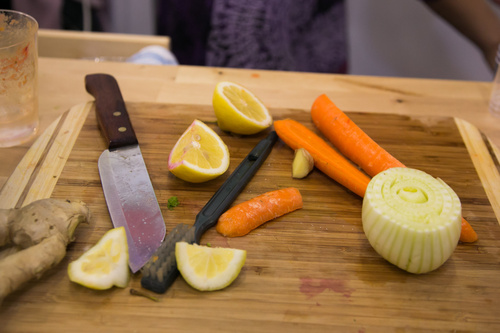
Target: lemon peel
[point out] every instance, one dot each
(238, 110)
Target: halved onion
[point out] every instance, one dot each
(411, 219)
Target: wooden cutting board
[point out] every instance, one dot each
(311, 270)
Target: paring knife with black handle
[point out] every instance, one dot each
(161, 270)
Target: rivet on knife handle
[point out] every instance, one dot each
(111, 112)
(161, 270)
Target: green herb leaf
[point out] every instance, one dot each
(172, 202)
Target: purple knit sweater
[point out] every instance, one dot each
(261, 34)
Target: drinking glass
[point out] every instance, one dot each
(18, 78)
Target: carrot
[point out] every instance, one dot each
(349, 139)
(239, 220)
(467, 234)
(357, 146)
(327, 159)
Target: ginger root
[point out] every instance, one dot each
(33, 239)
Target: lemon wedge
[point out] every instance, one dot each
(208, 268)
(105, 264)
(238, 110)
(199, 155)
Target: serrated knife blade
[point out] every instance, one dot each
(127, 187)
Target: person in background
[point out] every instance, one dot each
(293, 35)
(476, 20)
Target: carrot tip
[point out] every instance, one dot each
(467, 234)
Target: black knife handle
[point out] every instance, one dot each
(111, 112)
(228, 192)
(161, 270)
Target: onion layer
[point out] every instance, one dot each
(411, 219)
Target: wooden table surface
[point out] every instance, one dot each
(177, 91)
(61, 87)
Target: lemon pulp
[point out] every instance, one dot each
(199, 155)
(105, 264)
(207, 268)
(238, 110)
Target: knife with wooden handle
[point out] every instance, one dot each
(125, 180)
(161, 270)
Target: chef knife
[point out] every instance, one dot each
(161, 270)
(127, 188)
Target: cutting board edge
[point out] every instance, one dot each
(36, 175)
(485, 157)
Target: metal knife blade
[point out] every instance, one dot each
(127, 188)
(161, 270)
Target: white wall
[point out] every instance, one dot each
(404, 38)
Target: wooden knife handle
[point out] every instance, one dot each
(111, 112)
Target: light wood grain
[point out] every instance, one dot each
(78, 45)
(36, 175)
(309, 271)
(485, 159)
(61, 86)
